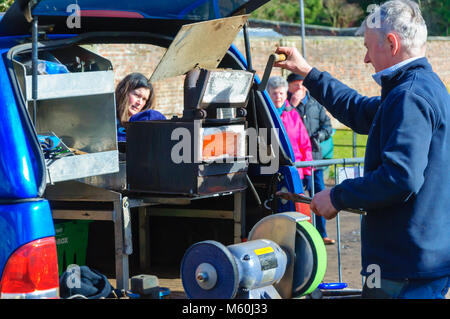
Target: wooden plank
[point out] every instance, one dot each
(196, 213)
(82, 214)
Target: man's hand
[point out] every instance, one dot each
(294, 61)
(321, 205)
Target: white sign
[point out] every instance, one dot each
(349, 172)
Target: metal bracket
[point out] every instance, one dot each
(128, 243)
(27, 10)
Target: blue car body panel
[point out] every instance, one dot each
(119, 15)
(21, 223)
(17, 171)
(175, 9)
(293, 183)
(23, 217)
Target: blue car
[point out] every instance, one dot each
(50, 31)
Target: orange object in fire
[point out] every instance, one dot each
(304, 209)
(220, 144)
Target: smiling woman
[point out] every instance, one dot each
(135, 96)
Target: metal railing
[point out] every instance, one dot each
(326, 163)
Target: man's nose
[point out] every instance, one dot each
(366, 58)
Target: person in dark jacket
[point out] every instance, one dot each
(405, 189)
(319, 129)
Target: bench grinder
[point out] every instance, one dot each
(284, 257)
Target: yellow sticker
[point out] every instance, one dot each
(265, 250)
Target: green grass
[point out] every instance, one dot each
(345, 137)
(343, 148)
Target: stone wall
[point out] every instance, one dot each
(292, 29)
(340, 56)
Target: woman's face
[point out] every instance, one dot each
(137, 99)
(278, 96)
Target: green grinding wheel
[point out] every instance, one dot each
(311, 259)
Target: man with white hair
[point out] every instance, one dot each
(405, 241)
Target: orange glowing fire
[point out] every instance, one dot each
(220, 145)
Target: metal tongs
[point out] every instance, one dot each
(307, 200)
(268, 70)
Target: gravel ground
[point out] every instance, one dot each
(350, 249)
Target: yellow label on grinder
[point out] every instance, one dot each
(265, 250)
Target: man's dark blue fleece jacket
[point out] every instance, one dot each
(406, 184)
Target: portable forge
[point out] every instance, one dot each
(204, 151)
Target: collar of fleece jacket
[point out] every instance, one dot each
(388, 82)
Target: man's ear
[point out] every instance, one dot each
(394, 43)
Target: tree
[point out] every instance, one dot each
(337, 13)
(437, 16)
(289, 11)
(435, 12)
(5, 4)
(340, 14)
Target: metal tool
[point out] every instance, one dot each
(307, 200)
(268, 70)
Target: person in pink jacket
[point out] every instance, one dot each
(277, 87)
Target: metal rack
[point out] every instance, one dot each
(77, 106)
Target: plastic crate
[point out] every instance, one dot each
(71, 243)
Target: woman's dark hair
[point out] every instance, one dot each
(129, 83)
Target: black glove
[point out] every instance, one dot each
(315, 144)
(320, 136)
